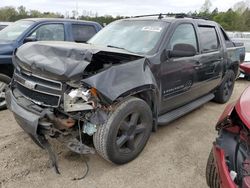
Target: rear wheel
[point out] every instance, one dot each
(247, 77)
(4, 81)
(225, 90)
(211, 172)
(126, 132)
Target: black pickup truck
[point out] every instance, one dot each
(109, 94)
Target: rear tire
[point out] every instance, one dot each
(211, 172)
(4, 81)
(225, 90)
(126, 132)
(247, 77)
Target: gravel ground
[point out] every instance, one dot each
(175, 156)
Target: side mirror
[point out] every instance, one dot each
(182, 50)
(29, 39)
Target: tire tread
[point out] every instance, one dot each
(211, 172)
(101, 136)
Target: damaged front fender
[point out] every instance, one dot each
(124, 79)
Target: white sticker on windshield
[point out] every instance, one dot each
(151, 28)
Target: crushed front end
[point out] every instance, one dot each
(67, 91)
(51, 105)
(48, 108)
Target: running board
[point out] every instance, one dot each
(173, 115)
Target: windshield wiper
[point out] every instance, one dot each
(111, 46)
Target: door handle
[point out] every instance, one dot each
(198, 64)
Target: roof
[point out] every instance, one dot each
(172, 18)
(57, 20)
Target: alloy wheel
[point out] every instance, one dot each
(130, 133)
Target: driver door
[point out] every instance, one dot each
(179, 74)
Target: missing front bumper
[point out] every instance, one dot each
(27, 120)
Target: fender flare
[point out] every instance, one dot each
(150, 94)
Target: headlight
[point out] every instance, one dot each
(83, 93)
(78, 100)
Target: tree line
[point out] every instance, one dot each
(236, 18)
(11, 14)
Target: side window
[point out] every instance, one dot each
(209, 39)
(49, 32)
(82, 33)
(184, 33)
(225, 37)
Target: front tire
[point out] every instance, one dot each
(4, 81)
(211, 172)
(126, 132)
(225, 90)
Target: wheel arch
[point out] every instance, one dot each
(7, 69)
(235, 68)
(149, 94)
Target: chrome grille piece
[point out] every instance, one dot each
(40, 90)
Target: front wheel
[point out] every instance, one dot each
(126, 132)
(4, 81)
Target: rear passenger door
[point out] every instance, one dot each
(210, 62)
(83, 32)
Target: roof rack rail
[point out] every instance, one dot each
(176, 15)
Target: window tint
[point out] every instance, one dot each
(228, 42)
(49, 32)
(209, 38)
(82, 33)
(184, 33)
(224, 35)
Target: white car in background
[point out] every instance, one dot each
(243, 37)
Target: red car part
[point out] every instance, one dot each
(225, 179)
(243, 107)
(245, 67)
(234, 134)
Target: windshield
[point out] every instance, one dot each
(134, 36)
(13, 31)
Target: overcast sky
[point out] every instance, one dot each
(118, 7)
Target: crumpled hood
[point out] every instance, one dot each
(62, 61)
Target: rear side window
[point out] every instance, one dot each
(209, 38)
(82, 33)
(225, 37)
(184, 34)
(228, 42)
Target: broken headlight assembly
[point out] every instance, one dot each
(80, 99)
(86, 101)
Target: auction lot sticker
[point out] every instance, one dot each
(151, 28)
